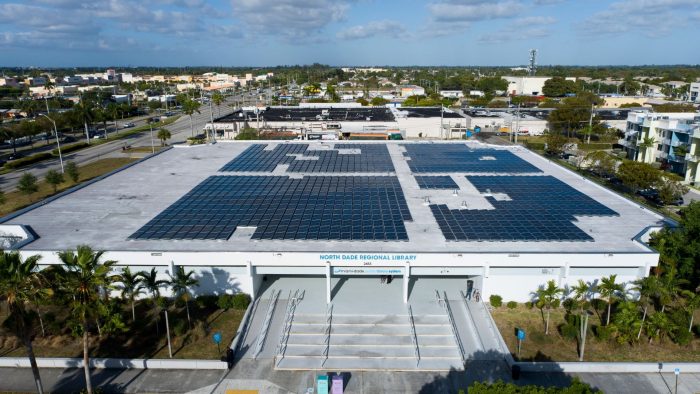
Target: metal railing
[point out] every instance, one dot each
(266, 324)
(414, 337)
(471, 320)
(455, 333)
(287, 328)
(327, 341)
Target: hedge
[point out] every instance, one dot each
(70, 148)
(25, 161)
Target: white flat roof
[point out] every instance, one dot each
(105, 213)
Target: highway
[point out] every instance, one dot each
(180, 131)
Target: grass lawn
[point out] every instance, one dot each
(144, 149)
(142, 339)
(554, 347)
(15, 200)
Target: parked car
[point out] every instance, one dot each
(127, 125)
(69, 138)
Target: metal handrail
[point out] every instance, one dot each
(327, 341)
(454, 328)
(287, 328)
(266, 324)
(471, 320)
(414, 337)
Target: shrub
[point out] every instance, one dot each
(496, 301)
(25, 161)
(180, 327)
(225, 301)
(535, 145)
(568, 331)
(682, 336)
(241, 301)
(499, 387)
(569, 304)
(70, 148)
(603, 333)
(207, 301)
(512, 304)
(529, 305)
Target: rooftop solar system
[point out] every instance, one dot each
(429, 112)
(540, 208)
(350, 158)
(432, 158)
(366, 208)
(436, 182)
(296, 114)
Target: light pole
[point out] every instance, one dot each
(153, 148)
(58, 144)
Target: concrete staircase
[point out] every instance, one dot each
(370, 342)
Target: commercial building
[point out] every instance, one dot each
(676, 141)
(695, 92)
(385, 239)
(412, 90)
(527, 85)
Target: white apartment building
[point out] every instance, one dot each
(695, 92)
(528, 85)
(676, 141)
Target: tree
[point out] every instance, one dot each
(131, 287)
(627, 322)
(54, 178)
(20, 285)
(609, 291)
(490, 85)
(645, 145)
(217, 98)
(648, 288)
(555, 143)
(86, 279)
(691, 304)
(181, 283)
(72, 171)
(670, 188)
(189, 107)
(362, 101)
(163, 135)
(658, 326)
(601, 162)
(559, 87)
(379, 101)
(27, 184)
(85, 113)
(581, 293)
(153, 284)
(548, 298)
(637, 176)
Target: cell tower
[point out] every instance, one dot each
(532, 68)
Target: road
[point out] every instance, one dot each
(180, 130)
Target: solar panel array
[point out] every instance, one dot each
(368, 208)
(371, 158)
(436, 182)
(541, 208)
(427, 158)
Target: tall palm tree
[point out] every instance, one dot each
(153, 285)
(692, 303)
(609, 291)
(182, 282)
(644, 146)
(85, 277)
(217, 98)
(131, 287)
(85, 113)
(189, 107)
(21, 284)
(546, 298)
(648, 288)
(581, 292)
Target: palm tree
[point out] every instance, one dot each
(85, 277)
(609, 291)
(85, 114)
(659, 324)
(581, 291)
(21, 284)
(163, 134)
(153, 285)
(692, 303)
(648, 288)
(546, 298)
(181, 283)
(646, 143)
(130, 287)
(217, 98)
(189, 107)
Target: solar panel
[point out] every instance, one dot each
(540, 208)
(436, 182)
(369, 208)
(343, 158)
(431, 158)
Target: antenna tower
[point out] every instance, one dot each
(532, 68)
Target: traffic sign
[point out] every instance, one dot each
(217, 337)
(521, 334)
(677, 371)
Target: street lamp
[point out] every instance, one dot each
(58, 144)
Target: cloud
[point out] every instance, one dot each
(294, 20)
(640, 16)
(373, 29)
(448, 17)
(526, 28)
(547, 2)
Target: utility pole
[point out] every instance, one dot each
(211, 110)
(590, 125)
(517, 124)
(442, 126)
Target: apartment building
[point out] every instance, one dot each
(672, 139)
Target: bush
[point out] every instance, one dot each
(512, 304)
(70, 148)
(225, 301)
(500, 387)
(241, 301)
(25, 161)
(682, 336)
(535, 145)
(602, 333)
(568, 331)
(180, 328)
(496, 301)
(529, 305)
(207, 301)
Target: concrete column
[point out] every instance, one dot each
(406, 278)
(328, 282)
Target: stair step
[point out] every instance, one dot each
(372, 340)
(381, 364)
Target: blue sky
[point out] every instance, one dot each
(347, 32)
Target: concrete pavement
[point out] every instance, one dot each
(180, 130)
